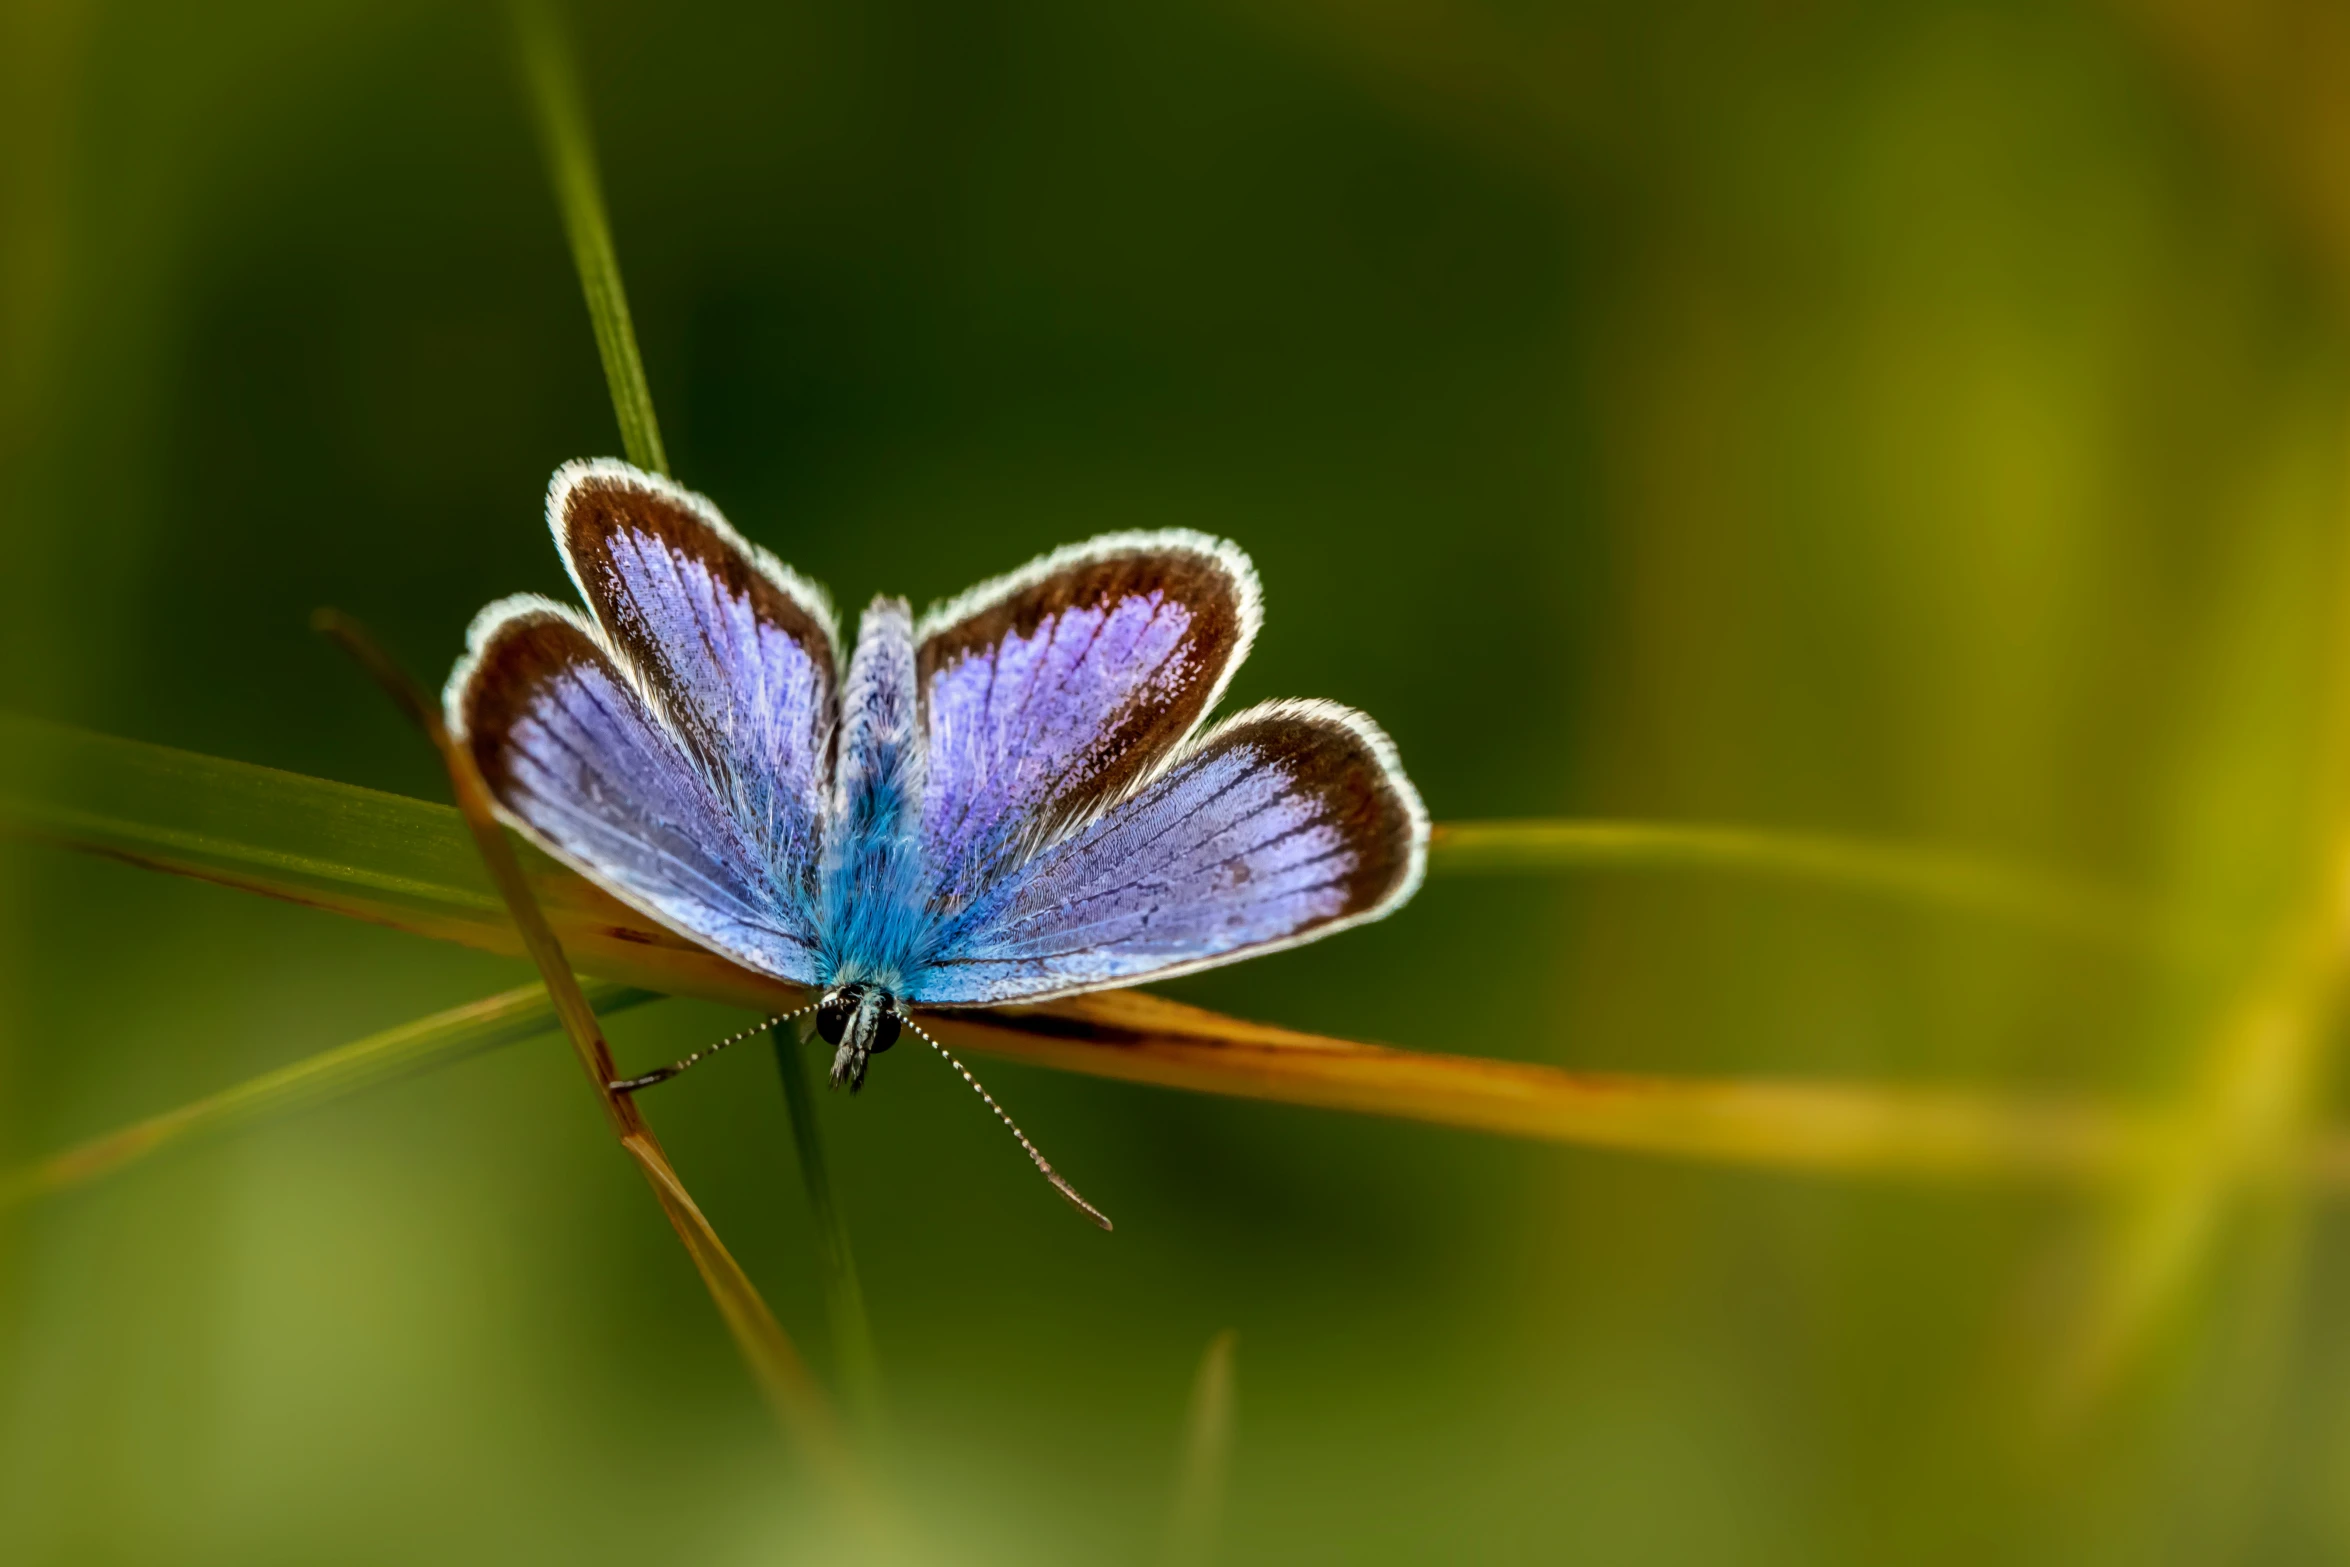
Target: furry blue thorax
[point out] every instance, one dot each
(874, 919)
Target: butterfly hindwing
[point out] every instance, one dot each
(578, 761)
(1053, 691)
(733, 649)
(1286, 822)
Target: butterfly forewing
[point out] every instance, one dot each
(733, 649)
(1287, 822)
(1051, 693)
(577, 760)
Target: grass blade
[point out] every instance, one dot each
(551, 76)
(1716, 1120)
(385, 858)
(1817, 1126)
(774, 1361)
(405, 863)
(1198, 1512)
(412, 1048)
(2257, 1086)
(2017, 895)
(551, 79)
(844, 1295)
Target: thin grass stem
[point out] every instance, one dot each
(844, 1297)
(551, 79)
(396, 1053)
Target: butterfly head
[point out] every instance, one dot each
(860, 1021)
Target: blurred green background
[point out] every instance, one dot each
(1918, 420)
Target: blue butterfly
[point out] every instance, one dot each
(1009, 800)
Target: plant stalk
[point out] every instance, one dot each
(551, 77)
(844, 1298)
(412, 1048)
(1198, 1511)
(2023, 896)
(774, 1362)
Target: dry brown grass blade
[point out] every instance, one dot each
(2080, 1141)
(776, 1364)
(1851, 1128)
(782, 1375)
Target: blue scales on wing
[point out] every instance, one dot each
(1055, 689)
(1078, 836)
(679, 749)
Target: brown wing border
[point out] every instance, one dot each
(1213, 575)
(577, 523)
(1365, 757)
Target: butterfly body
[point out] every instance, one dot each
(1009, 800)
(873, 920)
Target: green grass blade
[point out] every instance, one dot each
(844, 1296)
(357, 852)
(1193, 1522)
(284, 832)
(404, 861)
(551, 77)
(2014, 894)
(2258, 1085)
(427, 1043)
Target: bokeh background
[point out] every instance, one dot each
(1923, 420)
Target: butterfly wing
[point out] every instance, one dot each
(579, 763)
(679, 748)
(1285, 823)
(1054, 690)
(731, 647)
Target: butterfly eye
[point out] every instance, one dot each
(885, 1031)
(833, 1014)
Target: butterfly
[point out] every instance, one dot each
(1014, 798)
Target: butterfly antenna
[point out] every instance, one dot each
(1043, 1165)
(629, 1085)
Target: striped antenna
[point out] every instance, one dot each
(1043, 1165)
(629, 1085)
